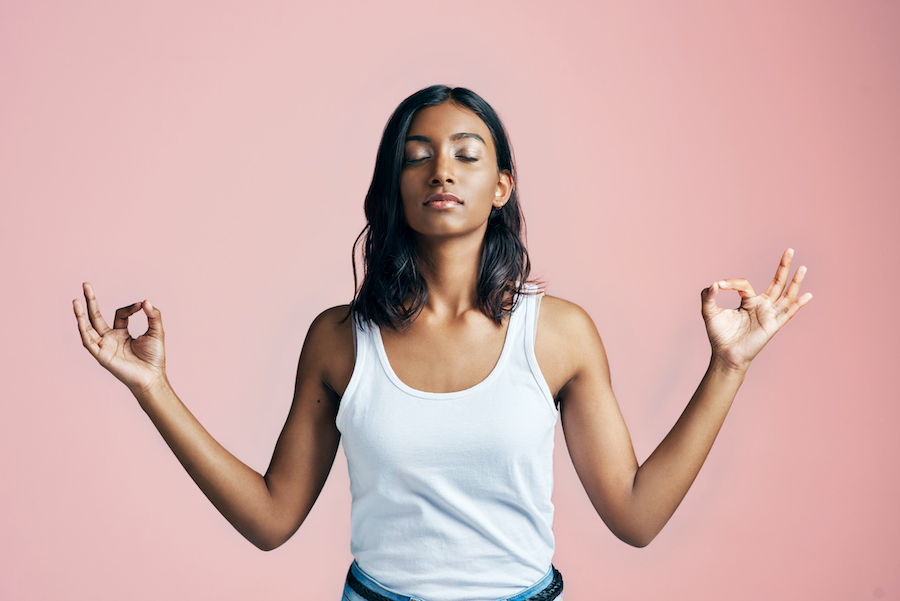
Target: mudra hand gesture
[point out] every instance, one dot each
(737, 335)
(140, 363)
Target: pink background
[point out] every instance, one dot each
(213, 157)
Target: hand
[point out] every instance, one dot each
(138, 362)
(737, 335)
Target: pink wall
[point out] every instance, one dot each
(213, 156)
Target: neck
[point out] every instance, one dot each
(450, 267)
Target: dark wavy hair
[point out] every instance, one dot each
(393, 290)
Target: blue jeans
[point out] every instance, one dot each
(373, 586)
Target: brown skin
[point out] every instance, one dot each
(452, 346)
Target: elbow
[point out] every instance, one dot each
(636, 535)
(271, 537)
(268, 541)
(269, 530)
(639, 541)
(635, 528)
(266, 545)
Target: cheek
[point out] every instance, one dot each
(487, 184)
(406, 193)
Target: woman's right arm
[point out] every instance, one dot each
(268, 509)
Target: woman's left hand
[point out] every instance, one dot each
(737, 335)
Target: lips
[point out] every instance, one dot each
(442, 201)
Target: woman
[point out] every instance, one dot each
(444, 377)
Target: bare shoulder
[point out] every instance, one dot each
(328, 349)
(558, 313)
(333, 321)
(567, 341)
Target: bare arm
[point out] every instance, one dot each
(636, 501)
(268, 509)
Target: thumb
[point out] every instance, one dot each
(154, 319)
(708, 300)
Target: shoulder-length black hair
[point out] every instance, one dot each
(393, 290)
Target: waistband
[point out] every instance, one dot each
(546, 589)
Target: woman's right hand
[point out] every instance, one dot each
(140, 363)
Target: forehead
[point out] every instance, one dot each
(444, 120)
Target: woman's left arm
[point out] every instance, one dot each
(637, 501)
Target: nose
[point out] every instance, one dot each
(443, 170)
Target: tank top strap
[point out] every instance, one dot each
(364, 351)
(518, 322)
(530, 312)
(532, 304)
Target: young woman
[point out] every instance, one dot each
(444, 378)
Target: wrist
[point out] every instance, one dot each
(723, 366)
(146, 391)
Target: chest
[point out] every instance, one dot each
(445, 357)
(449, 396)
(427, 405)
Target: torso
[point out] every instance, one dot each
(448, 429)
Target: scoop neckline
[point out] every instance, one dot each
(392, 375)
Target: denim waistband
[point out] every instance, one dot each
(549, 587)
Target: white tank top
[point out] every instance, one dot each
(451, 491)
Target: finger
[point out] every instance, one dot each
(93, 310)
(89, 336)
(796, 305)
(741, 285)
(154, 320)
(781, 274)
(122, 315)
(790, 293)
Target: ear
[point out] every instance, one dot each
(504, 189)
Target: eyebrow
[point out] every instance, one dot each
(454, 137)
